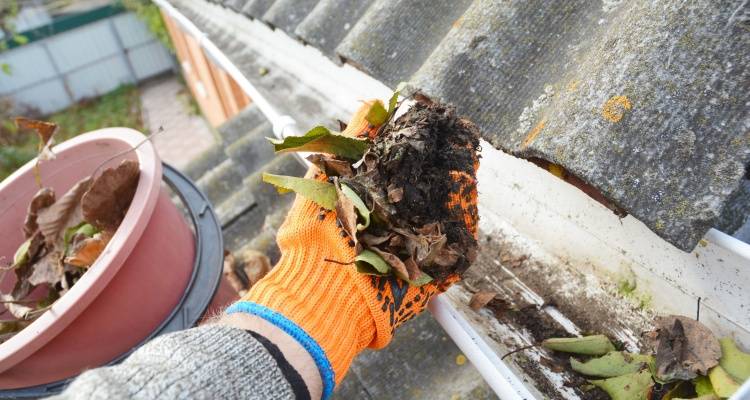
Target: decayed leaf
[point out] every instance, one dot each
(44, 198)
(417, 277)
(28, 250)
(255, 265)
(370, 263)
(47, 270)
(612, 364)
(230, 274)
(734, 360)
(480, 299)
(633, 386)
(322, 140)
(58, 217)
(87, 251)
(362, 209)
(395, 194)
(331, 166)
(685, 348)
(398, 266)
(723, 384)
(346, 214)
(377, 115)
(596, 345)
(322, 193)
(105, 203)
(17, 309)
(45, 130)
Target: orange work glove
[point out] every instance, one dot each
(331, 309)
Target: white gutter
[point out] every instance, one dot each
(283, 125)
(346, 80)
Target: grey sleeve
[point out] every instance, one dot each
(210, 362)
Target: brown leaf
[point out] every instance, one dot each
(230, 274)
(395, 194)
(685, 348)
(398, 266)
(346, 214)
(373, 240)
(48, 269)
(331, 166)
(58, 217)
(255, 265)
(105, 203)
(18, 310)
(412, 269)
(480, 299)
(87, 251)
(44, 198)
(446, 256)
(45, 130)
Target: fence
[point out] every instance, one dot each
(102, 53)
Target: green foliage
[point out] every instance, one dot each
(321, 140)
(612, 364)
(121, 107)
(370, 263)
(148, 12)
(595, 345)
(322, 193)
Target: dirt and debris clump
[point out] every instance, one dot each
(417, 172)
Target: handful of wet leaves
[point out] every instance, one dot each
(64, 235)
(391, 188)
(688, 362)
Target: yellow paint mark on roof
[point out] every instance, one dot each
(614, 108)
(533, 133)
(460, 359)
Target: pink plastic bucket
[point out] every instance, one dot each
(127, 293)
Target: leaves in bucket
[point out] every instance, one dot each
(322, 193)
(105, 203)
(44, 198)
(54, 220)
(322, 140)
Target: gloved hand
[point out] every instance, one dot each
(331, 309)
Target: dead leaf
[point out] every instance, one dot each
(256, 265)
(16, 309)
(230, 274)
(105, 203)
(44, 198)
(395, 194)
(480, 299)
(414, 273)
(685, 348)
(331, 166)
(87, 251)
(45, 130)
(346, 213)
(64, 213)
(373, 240)
(48, 269)
(398, 266)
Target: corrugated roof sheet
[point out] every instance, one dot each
(645, 101)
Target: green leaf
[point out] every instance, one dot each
(322, 193)
(322, 140)
(22, 254)
(723, 384)
(20, 39)
(596, 345)
(377, 115)
(703, 386)
(422, 280)
(369, 262)
(394, 98)
(362, 209)
(6, 68)
(633, 386)
(84, 228)
(733, 360)
(612, 364)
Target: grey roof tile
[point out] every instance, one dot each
(256, 8)
(241, 124)
(394, 37)
(286, 14)
(329, 22)
(235, 5)
(645, 101)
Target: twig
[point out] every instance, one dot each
(338, 262)
(32, 314)
(146, 139)
(517, 350)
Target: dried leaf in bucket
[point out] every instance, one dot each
(107, 200)
(87, 251)
(64, 213)
(44, 198)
